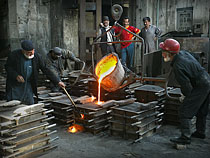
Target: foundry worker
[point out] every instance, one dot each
(106, 48)
(195, 86)
(22, 69)
(149, 33)
(127, 48)
(55, 61)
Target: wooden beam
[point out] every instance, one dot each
(82, 30)
(98, 13)
(98, 20)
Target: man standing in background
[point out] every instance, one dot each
(149, 33)
(106, 48)
(127, 48)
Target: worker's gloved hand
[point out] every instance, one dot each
(78, 60)
(181, 99)
(20, 79)
(61, 84)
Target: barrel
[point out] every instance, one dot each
(113, 80)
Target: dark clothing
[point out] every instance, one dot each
(57, 66)
(16, 65)
(195, 85)
(106, 48)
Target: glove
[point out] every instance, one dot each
(181, 99)
(77, 60)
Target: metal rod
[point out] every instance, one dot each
(69, 96)
(74, 105)
(118, 41)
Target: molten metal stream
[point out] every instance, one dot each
(105, 67)
(99, 82)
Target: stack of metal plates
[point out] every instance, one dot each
(149, 93)
(46, 96)
(96, 117)
(63, 111)
(171, 108)
(2, 87)
(25, 131)
(135, 121)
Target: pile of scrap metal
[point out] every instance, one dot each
(25, 130)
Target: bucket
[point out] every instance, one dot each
(115, 72)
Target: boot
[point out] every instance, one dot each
(181, 140)
(196, 134)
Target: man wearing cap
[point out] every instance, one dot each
(55, 62)
(195, 86)
(22, 69)
(106, 48)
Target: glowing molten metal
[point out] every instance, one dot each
(105, 67)
(82, 116)
(75, 128)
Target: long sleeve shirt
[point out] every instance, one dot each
(125, 35)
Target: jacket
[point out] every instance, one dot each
(189, 73)
(13, 69)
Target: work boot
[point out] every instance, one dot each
(196, 134)
(181, 140)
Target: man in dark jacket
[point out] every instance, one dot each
(195, 86)
(55, 61)
(22, 69)
(106, 48)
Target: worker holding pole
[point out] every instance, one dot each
(195, 86)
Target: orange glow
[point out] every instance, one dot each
(82, 116)
(92, 98)
(105, 67)
(75, 128)
(99, 102)
(72, 129)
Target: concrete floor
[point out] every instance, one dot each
(86, 145)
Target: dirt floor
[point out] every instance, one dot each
(86, 145)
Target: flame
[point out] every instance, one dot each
(92, 98)
(72, 129)
(75, 128)
(105, 66)
(82, 116)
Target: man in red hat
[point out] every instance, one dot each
(195, 86)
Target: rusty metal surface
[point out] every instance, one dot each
(27, 133)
